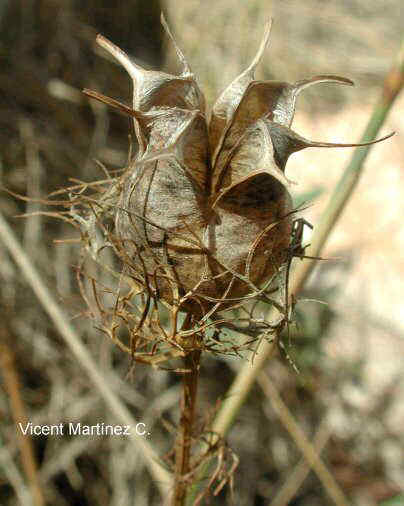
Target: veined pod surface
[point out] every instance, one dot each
(205, 215)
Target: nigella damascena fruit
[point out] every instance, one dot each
(204, 214)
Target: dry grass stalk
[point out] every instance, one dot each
(12, 384)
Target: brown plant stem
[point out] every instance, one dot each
(295, 479)
(185, 434)
(12, 386)
(304, 445)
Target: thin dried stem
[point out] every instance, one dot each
(302, 442)
(294, 480)
(12, 385)
(185, 433)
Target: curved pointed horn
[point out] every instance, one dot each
(131, 68)
(124, 109)
(263, 45)
(305, 83)
(310, 144)
(180, 54)
(285, 142)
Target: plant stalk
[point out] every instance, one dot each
(185, 434)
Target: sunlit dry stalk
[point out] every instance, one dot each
(13, 389)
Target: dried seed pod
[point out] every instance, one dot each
(205, 215)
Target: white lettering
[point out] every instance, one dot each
(37, 430)
(74, 429)
(79, 429)
(56, 430)
(140, 432)
(28, 426)
(41, 430)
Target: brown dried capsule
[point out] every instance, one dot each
(205, 214)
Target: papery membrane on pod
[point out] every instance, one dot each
(205, 215)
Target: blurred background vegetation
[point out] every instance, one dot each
(348, 351)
